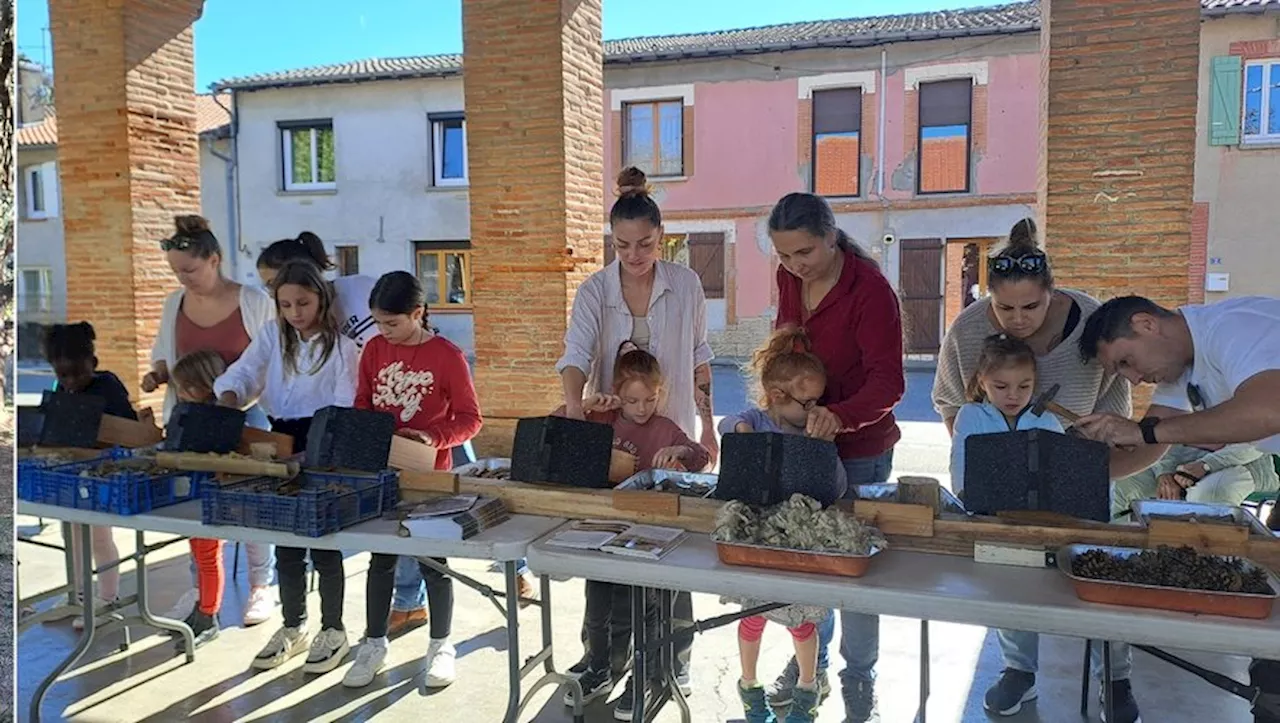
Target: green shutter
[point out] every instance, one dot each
(1225, 88)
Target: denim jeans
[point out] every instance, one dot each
(1021, 651)
(292, 565)
(379, 588)
(410, 590)
(859, 633)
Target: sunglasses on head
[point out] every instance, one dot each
(1033, 263)
(176, 243)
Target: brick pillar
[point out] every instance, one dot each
(1118, 110)
(128, 162)
(1118, 113)
(535, 107)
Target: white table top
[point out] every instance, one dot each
(930, 587)
(503, 543)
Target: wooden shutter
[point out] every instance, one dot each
(1225, 88)
(706, 258)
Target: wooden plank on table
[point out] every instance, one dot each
(1216, 538)
(648, 501)
(283, 443)
(121, 432)
(892, 518)
(435, 481)
(411, 455)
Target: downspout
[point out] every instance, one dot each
(884, 85)
(233, 191)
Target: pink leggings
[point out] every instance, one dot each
(750, 629)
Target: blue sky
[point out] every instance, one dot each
(243, 37)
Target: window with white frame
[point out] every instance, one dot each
(448, 149)
(42, 190)
(307, 155)
(35, 291)
(1261, 117)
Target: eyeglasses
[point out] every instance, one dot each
(1032, 264)
(805, 404)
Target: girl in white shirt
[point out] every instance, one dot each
(298, 364)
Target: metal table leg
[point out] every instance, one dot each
(1084, 679)
(86, 635)
(1108, 711)
(924, 671)
(665, 628)
(639, 664)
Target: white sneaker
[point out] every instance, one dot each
(441, 670)
(327, 652)
(370, 657)
(98, 606)
(181, 610)
(284, 644)
(260, 608)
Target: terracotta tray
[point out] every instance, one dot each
(777, 558)
(1200, 602)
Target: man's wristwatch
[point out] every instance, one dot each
(1148, 427)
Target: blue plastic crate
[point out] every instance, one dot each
(126, 492)
(29, 469)
(328, 502)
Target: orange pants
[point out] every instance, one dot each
(210, 573)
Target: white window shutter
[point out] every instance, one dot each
(49, 177)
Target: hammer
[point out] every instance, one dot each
(1045, 402)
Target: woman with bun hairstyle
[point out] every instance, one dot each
(350, 293)
(1025, 304)
(660, 306)
(210, 312)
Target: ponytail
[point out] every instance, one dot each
(306, 247)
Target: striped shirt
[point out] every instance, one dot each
(1086, 388)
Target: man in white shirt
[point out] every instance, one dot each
(1217, 371)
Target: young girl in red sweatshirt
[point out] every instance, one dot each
(424, 381)
(657, 443)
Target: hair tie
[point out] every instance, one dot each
(798, 346)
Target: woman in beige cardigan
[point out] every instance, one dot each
(210, 311)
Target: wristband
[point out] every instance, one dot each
(1148, 427)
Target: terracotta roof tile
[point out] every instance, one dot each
(210, 117)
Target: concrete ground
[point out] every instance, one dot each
(150, 683)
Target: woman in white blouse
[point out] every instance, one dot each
(660, 306)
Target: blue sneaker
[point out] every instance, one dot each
(753, 702)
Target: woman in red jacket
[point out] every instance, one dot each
(835, 290)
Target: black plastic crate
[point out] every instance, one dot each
(1037, 470)
(70, 420)
(562, 451)
(327, 502)
(346, 438)
(195, 427)
(767, 468)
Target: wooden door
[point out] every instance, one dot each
(921, 284)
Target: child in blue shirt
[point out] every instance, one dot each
(1000, 391)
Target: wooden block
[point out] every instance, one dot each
(411, 455)
(1204, 536)
(262, 450)
(118, 431)
(621, 466)
(894, 518)
(925, 491)
(433, 481)
(282, 443)
(648, 502)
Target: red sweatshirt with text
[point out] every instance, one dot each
(427, 387)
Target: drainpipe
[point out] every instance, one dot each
(233, 191)
(884, 85)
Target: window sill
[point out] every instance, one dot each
(450, 309)
(945, 194)
(36, 219)
(460, 188)
(1268, 144)
(307, 192)
(668, 179)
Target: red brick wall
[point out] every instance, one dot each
(534, 87)
(1256, 49)
(954, 282)
(1120, 144)
(128, 160)
(1199, 253)
(1119, 118)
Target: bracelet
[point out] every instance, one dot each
(1187, 476)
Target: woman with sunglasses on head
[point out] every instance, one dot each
(1025, 304)
(210, 312)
